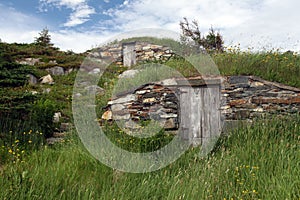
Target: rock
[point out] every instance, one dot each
(141, 92)
(94, 89)
(47, 79)
(225, 107)
(56, 71)
(170, 124)
(64, 127)
(242, 114)
(121, 117)
(68, 71)
(32, 79)
(56, 117)
(107, 115)
(29, 61)
(125, 99)
(166, 116)
(168, 82)
(233, 80)
(238, 102)
(54, 62)
(258, 110)
(117, 107)
(256, 84)
(47, 90)
(132, 125)
(149, 100)
(105, 54)
(95, 54)
(129, 73)
(95, 71)
(34, 92)
(51, 141)
(77, 95)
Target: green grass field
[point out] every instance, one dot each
(255, 162)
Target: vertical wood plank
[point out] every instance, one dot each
(129, 54)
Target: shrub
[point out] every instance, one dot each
(42, 115)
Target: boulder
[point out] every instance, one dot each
(56, 71)
(32, 79)
(94, 89)
(47, 79)
(129, 73)
(56, 117)
(107, 115)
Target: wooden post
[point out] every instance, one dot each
(129, 54)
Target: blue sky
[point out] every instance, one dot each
(80, 24)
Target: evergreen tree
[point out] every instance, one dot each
(44, 38)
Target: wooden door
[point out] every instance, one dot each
(200, 119)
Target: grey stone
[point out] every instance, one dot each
(170, 124)
(64, 126)
(117, 107)
(34, 92)
(166, 116)
(132, 125)
(129, 73)
(238, 80)
(95, 71)
(125, 99)
(47, 90)
(32, 79)
(56, 117)
(121, 117)
(94, 89)
(56, 71)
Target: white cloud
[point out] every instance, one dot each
(81, 12)
(18, 27)
(60, 3)
(80, 15)
(257, 23)
(106, 1)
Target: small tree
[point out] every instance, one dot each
(191, 34)
(44, 39)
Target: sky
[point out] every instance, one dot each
(79, 25)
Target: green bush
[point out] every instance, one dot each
(42, 114)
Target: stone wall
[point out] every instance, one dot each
(144, 52)
(150, 101)
(243, 97)
(247, 97)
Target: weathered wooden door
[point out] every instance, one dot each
(200, 119)
(129, 54)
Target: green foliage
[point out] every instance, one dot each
(191, 35)
(44, 38)
(42, 114)
(11, 73)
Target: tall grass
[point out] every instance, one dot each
(260, 161)
(272, 65)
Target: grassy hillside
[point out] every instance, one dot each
(255, 162)
(260, 161)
